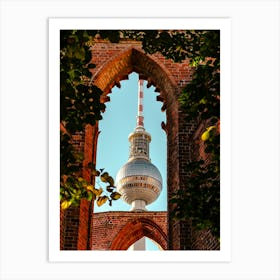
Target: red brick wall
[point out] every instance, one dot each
(78, 141)
(75, 222)
(204, 240)
(74, 227)
(62, 229)
(114, 61)
(69, 228)
(119, 230)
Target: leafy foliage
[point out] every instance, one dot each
(178, 45)
(80, 105)
(79, 99)
(73, 189)
(200, 99)
(201, 200)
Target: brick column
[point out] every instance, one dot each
(75, 221)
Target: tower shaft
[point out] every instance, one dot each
(140, 117)
(139, 139)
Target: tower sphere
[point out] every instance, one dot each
(139, 179)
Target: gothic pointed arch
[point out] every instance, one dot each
(135, 230)
(120, 65)
(114, 62)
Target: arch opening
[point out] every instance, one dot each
(119, 120)
(136, 230)
(149, 245)
(110, 74)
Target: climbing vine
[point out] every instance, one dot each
(80, 105)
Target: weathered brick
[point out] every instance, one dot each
(118, 230)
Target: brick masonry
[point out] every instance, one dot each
(118, 230)
(114, 62)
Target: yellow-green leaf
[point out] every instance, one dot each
(97, 192)
(90, 196)
(205, 135)
(101, 200)
(115, 195)
(211, 127)
(80, 179)
(66, 204)
(79, 157)
(202, 101)
(110, 180)
(104, 177)
(95, 173)
(209, 132)
(90, 188)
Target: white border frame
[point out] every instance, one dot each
(24, 139)
(223, 255)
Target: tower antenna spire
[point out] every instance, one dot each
(140, 117)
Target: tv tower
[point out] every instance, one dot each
(139, 181)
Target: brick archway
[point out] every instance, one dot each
(131, 59)
(114, 62)
(118, 230)
(135, 230)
